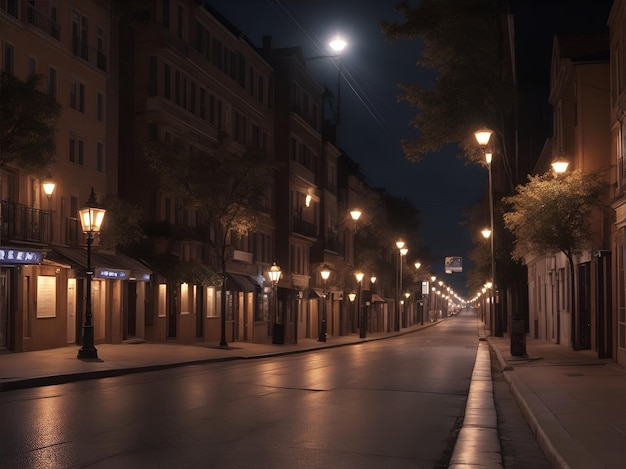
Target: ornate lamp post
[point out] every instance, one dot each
(278, 331)
(403, 252)
(91, 218)
(323, 329)
(48, 186)
(363, 321)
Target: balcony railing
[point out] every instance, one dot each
(304, 228)
(23, 223)
(41, 21)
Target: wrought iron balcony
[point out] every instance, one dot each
(23, 223)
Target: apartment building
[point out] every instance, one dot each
(44, 267)
(615, 326)
(191, 75)
(579, 96)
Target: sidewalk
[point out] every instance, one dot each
(574, 402)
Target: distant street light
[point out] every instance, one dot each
(278, 329)
(91, 217)
(560, 164)
(337, 45)
(402, 251)
(360, 314)
(325, 274)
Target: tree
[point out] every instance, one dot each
(553, 214)
(27, 124)
(463, 47)
(226, 185)
(122, 225)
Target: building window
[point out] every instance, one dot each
(167, 85)
(100, 157)
(72, 149)
(261, 89)
(100, 107)
(181, 20)
(52, 82)
(76, 150)
(152, 76)
(77, 96)
(216, 56)
(80, 35)
(192, 98)
(100, 43)
(166, 14)
(9, 59)
(32, 67)
(10, 6)
(202, 103)
(177, 87)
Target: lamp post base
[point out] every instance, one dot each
(322, 334)
(88, 349)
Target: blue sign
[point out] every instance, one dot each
(17, 256)
(113, 274)
(141, 277)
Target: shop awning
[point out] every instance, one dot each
(239, 282)
(377, 299)
(315, 293)
(104, 264)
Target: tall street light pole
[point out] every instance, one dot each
(91, 218)
(355, 214)
(482, 138)
(48, 186)
(337, 45)
(278, 331)
(325, 274)
(401, 252)
(362, 326)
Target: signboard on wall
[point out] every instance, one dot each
(19, 256)
(46, 296)
(454, 264)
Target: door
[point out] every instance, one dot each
(71, 310)
(4, 311)
(130, 310)
(584, 306)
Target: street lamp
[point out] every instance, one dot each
(278, 332)
(338, 44)
(483, 137)
(396, 322)
(91, 218)
(355, 214)
(363, 319)
(560, 164)
(48, 186)
(403, 252)
(325, 275)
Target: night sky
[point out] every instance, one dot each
(372, 120)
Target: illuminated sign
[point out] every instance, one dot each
(454, 264)
(17, 256)
(140, 277)
(113, 274)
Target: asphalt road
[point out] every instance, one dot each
(393, 403)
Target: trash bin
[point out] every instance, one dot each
(278, 334)
(518, 338)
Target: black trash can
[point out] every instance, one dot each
(278, 334)
(518, 338)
